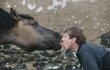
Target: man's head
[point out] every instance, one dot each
(72, 36)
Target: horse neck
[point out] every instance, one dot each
(5, 37)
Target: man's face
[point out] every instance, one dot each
(66, 41)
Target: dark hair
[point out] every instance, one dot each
(6, 20)
(76, 32)
(26, 16)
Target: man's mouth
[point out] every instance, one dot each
(61, 43)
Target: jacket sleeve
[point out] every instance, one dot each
(88, 61)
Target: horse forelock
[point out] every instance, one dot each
(26, 16)
(6, 20)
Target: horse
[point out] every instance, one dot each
(23, 31)
(105, 39)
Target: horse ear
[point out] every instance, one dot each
(14, 14)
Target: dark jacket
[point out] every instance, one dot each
(91, 55)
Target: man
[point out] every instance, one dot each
(91, 56)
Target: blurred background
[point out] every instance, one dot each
(93, 16)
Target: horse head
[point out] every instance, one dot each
(22, 30)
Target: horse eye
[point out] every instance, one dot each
(35, 24)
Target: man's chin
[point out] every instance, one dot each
(64, 48)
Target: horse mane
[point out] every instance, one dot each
(6, 20)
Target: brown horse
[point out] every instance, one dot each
(22, 30)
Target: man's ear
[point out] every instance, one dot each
(73, 39)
